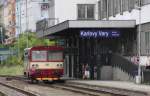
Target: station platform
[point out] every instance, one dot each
(120, 85)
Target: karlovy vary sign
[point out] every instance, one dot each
(99, 33)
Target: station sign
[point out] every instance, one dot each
(99, 33)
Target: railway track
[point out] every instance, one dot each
(18, 90)
(82, 90)
(67, 87)
(106, 91)
(8, 77)
(88, 90)
(94, 90)
(27, 93)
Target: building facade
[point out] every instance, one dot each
(130, 10)
(1, 15)
(70, 8)
(28, 12)
(10, 20)
(1, 12)
(21, 16)
(60, 11)
(1, 22)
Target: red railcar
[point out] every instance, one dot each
(43, 63)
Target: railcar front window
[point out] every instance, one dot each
(55, 55)
(39, 55)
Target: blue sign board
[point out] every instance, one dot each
(99, 33)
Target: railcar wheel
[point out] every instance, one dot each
(25, 75)
(45, 81)
(33, 81)
(36, 81)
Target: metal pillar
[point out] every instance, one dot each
(72, 65)
(77, 62)
(138, 78)
(67, 64)
(27, 23)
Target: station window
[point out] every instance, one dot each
(110, 8)
(99, 10)
(113, 7)
(102, 9)
(131, 5)
(116, 6)
(147, 43)
(136, 3)
(145, 2)
(125, 5)
(86, 11)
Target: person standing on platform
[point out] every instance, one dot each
(86, 72)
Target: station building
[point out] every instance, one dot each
(137, 10)
(106, 46)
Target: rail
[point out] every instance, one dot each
(18, 90)
(88, 90)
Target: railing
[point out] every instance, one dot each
(132, 69)
(124, 64)
(46, 23)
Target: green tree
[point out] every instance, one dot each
(21, 43)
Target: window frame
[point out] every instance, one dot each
(41, 59)
(99, 10)
(142, 1)
(147, 44)
(86, 10)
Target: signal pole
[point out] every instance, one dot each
(27, 23)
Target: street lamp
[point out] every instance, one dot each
(18, 26)
(27, 22)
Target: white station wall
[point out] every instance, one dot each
(67, 9)
(134, 15)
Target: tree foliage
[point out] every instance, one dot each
(30, 40)
(23, 41)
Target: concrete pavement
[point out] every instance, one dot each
(115, 84)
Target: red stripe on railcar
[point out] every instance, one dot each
(47, 73)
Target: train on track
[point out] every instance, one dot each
(43, 63)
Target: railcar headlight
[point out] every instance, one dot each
(36, 65)
(61, 65)
(57, 65)
(47, 64)
(33, 65)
